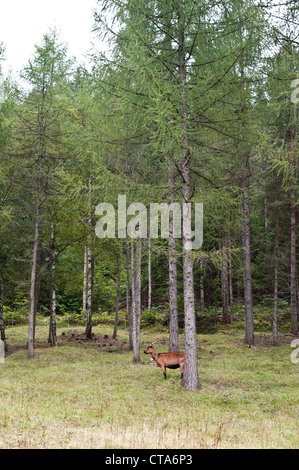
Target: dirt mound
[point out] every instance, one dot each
(266, 340)
(106, 342)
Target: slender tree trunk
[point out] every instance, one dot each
(201, 287)
(137, 302)
(172, 263)
(33, 300)
(224, 290)
(173, 294)
(264, 173)
(84, 280)
(294, 318)
(190, 379)
(231, 298)
(90, 264)
(37, 284)
(117, 295)
(149, 272)
(224, 287)
(276, 250)
(224, 284)
(133, 293)
(249, 329)
(173, 302)
(52, 327)
(90, 270)
(2, 326)
(129, 293)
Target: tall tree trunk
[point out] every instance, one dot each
(231, 298)
(190, 379)
(294, 318)
(201, 287)
(52, 327)
(276, 251)
(129, 304)
(173, 293)
(2, 326)
(149, 272)
(84, 280)
(133, 292)
(249, 329)
(32, 297)
(90, 269)
(224, 283)
(173, 302)
(37, 284)
(172, 263)
(264, 173)
(117, 295)
(137, 302)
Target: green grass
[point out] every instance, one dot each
(82, 396)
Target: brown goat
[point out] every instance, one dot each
(172, 360)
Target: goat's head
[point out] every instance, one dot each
(150, 349)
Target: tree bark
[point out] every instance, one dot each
(33, 291)
(224, 284)
(173, 345)
(190, 379)
(32, 295)
(149, 273)
(84, 280)
(264, 173)
(201, 287)
(117, 295)
(52, 327)
(276, 250)
(173, 294)
(133, 294)
(90, 269)
(231, 297)
(173, 302)
(2, 326)
(249, 329)
(137, 303)
(129, 305)
(294, 318)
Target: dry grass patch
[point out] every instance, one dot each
(81, 396)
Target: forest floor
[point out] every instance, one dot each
(89, 394)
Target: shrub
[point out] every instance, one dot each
(154, 316)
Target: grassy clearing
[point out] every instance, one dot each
(83, 396)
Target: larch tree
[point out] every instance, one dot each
(44, 73)
(283, 154)
(5, 189)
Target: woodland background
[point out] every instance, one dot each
(193, 101)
